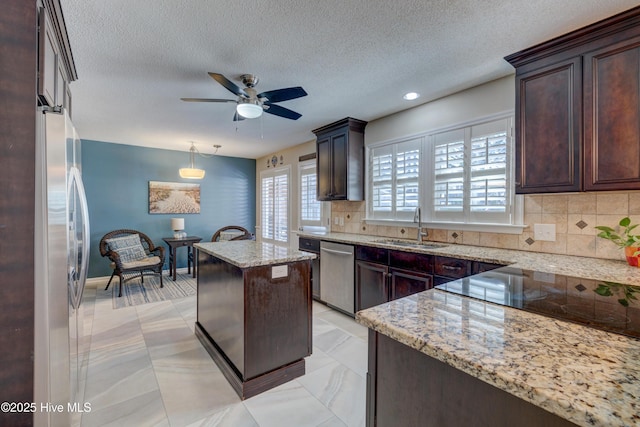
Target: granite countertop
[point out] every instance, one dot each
(587, 268)
(249, 253)
(588, 376)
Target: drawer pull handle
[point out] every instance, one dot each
(450, 267)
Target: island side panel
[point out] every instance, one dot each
(408, 385)
(278, 316)
(221, 306)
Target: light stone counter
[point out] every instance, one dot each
(588, 376)
(587, 268)
(249, 253)
(585, 375)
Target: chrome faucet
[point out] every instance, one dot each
(417, 217)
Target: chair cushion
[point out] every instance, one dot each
(128, 248)
(149, 261)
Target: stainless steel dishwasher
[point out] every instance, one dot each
(336, 270)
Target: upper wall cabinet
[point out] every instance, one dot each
(340, 160)
(578, 109)
(55, 61)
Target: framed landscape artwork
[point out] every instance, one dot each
(174, 198)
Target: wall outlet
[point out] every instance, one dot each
(544, 232)
(341, 220)
(336, 220)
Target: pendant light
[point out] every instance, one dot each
(192, 172)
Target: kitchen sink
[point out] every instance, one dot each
(411, 244)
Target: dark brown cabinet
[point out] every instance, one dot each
(372, 284)
(340, 160)
(55, 64)
(255, 325)
(612, 117)
(578, 109)
(406, 387)
(548, 108)
(446, 269)
(313, 246)
(383, 275)
(479, 267)
(405, 283)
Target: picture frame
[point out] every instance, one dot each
(174, 198)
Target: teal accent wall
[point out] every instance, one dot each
(116, 179)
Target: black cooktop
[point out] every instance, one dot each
(612, 307)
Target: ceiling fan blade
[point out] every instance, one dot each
(286, 94)
(229, 85)
(277, 110)
(207, 100)
(237, 117)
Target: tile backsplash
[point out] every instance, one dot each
(575, 215)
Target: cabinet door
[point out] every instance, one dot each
(315, 278)
(371, 285)
(323, 153)
(47, 61)
(548, 110)
(405, 283)
(612, 117)
(61, 86)
(339, 159)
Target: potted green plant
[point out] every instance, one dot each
(623, 239)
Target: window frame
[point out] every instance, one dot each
(273, 173)
(513, 218)
(395, 212)
(302, 167)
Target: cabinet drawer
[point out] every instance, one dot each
(479, 267)
(452, 267)
(310, 245)
(369, 253)
(411, 261)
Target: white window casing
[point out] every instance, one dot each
(462, 177)
(310, 208)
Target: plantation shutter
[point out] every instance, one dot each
(407, 176)
(310, 208)
(382, 179)
(449, 174)
(488, 170)
(275, 206)
(394, 179)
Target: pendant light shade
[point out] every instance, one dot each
(192, 172)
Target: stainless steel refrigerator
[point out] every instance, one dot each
(61, 347)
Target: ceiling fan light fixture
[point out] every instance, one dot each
(249, 110)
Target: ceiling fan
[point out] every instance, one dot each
(251, 104)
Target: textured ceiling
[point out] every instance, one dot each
(136, 59)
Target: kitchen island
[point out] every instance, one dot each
(254, 312)
(441, 359)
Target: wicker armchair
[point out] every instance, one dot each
(149, 261)
(244, 236)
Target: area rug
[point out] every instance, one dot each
(136, 293)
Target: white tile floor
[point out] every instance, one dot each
(147, 368)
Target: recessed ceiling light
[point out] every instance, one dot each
(411, 96)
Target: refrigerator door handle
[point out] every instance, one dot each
(75, 182)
